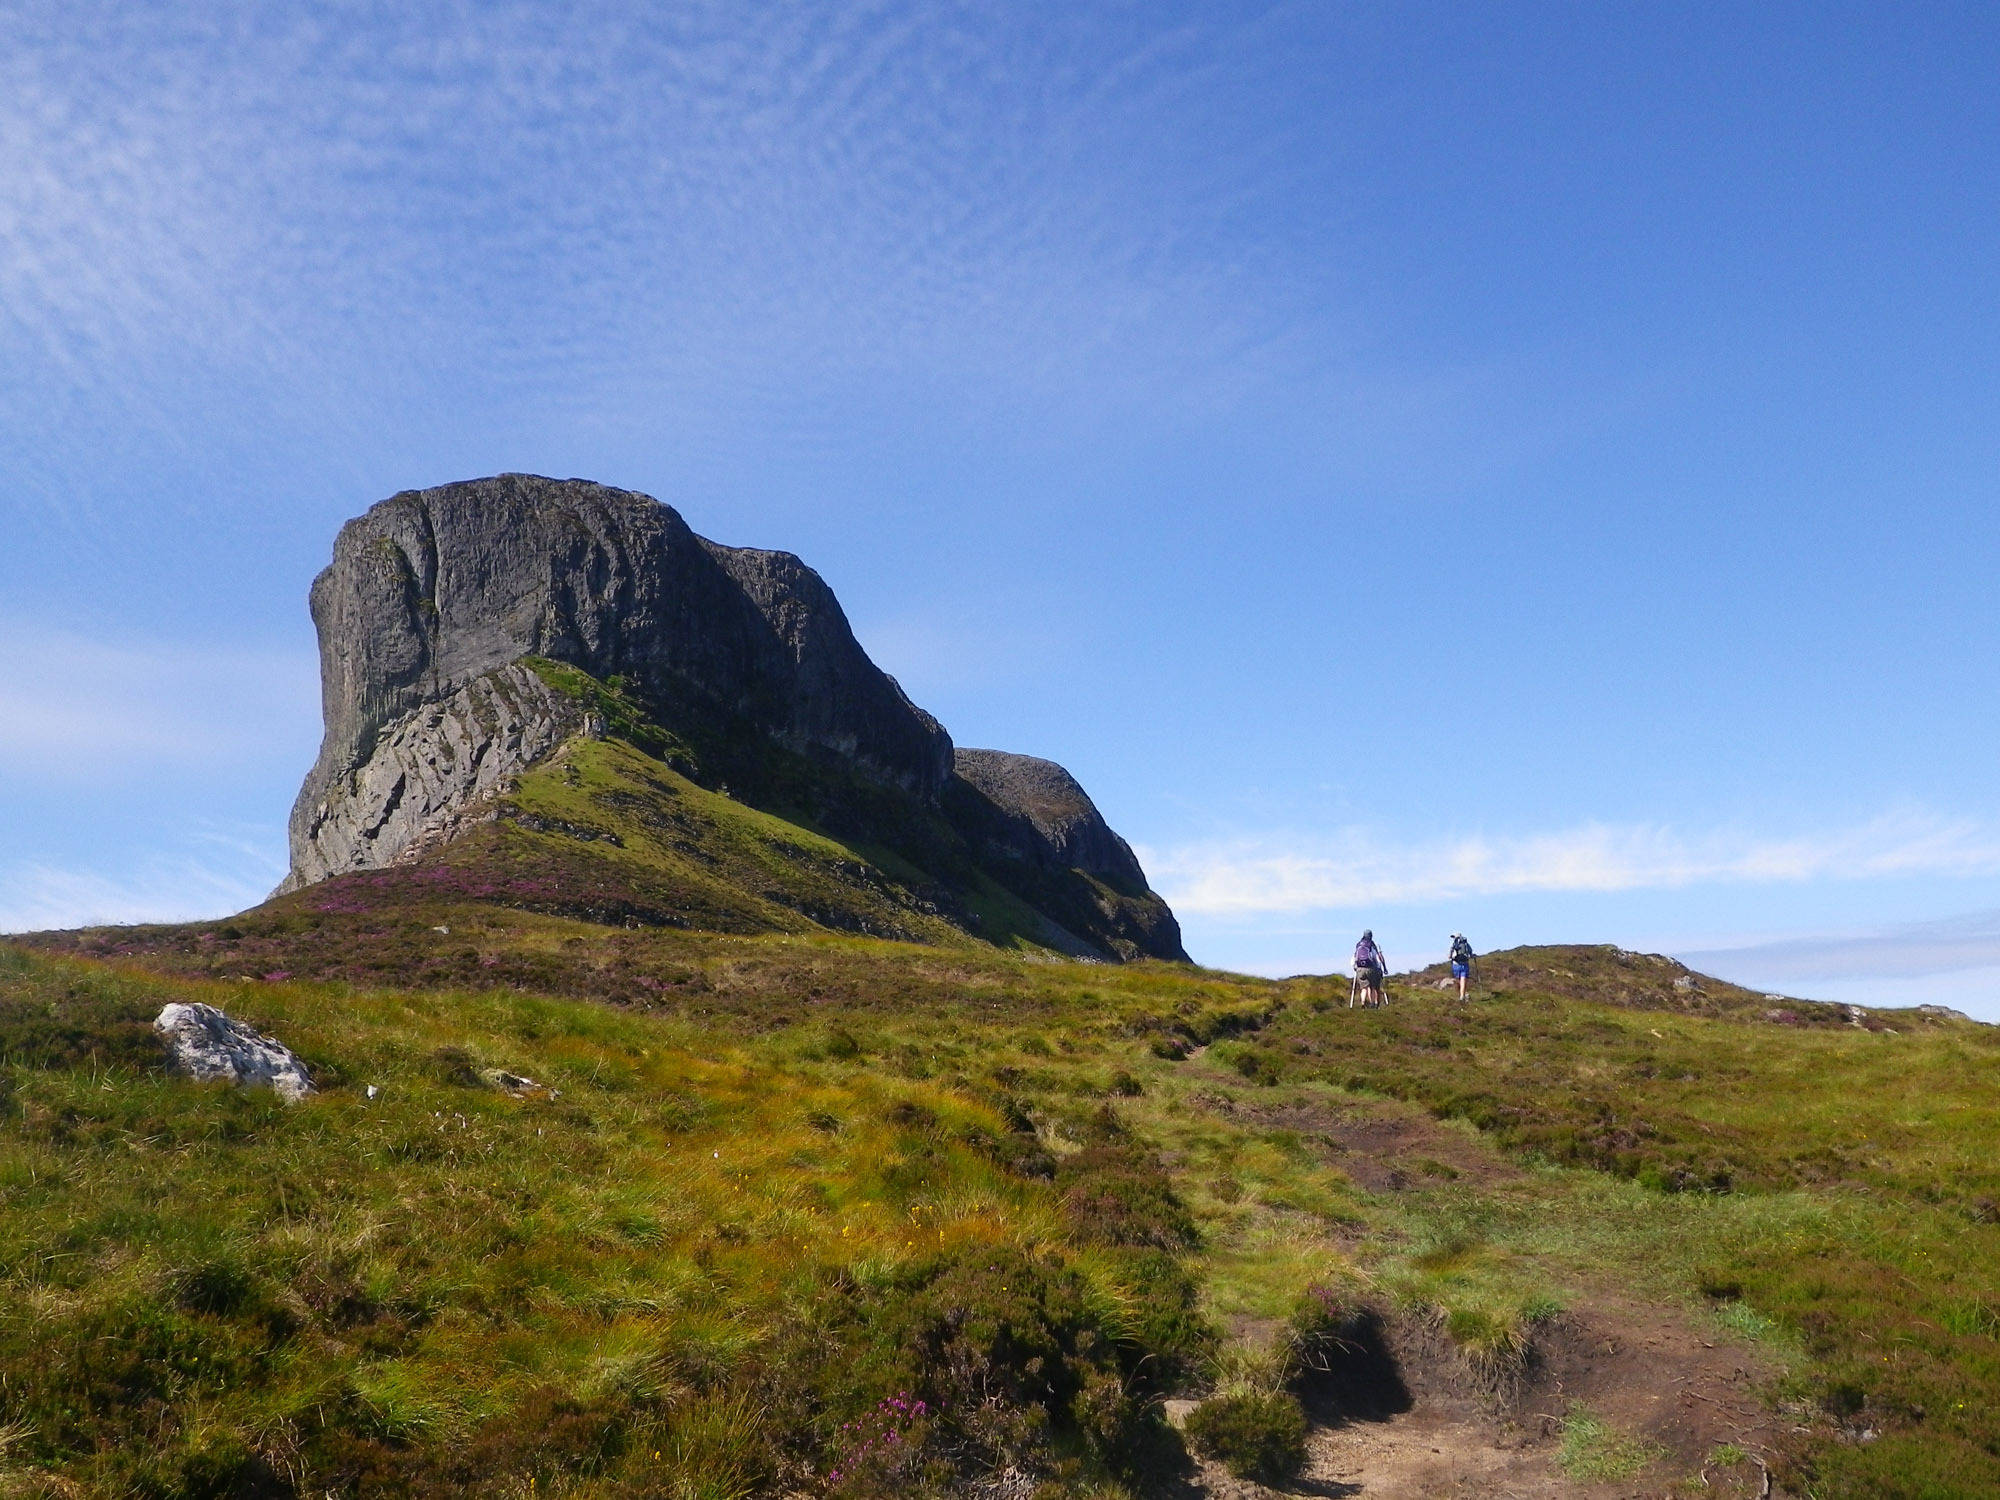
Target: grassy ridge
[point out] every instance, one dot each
(1841, 1182)
(607, 831)
(442, 927)
(787, 1182)
(724, 829)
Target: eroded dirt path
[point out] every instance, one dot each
(1642, 1373)
(1413, 1423)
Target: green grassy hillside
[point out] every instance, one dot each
(770, 1185)
(715, 826)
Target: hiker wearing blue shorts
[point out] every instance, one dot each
(1369, 967)
(1461, 962)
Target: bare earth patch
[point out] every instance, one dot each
(1639, 1400)
(1384, 1145)
(1672, 1399)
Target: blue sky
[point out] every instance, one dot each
(1526, 469)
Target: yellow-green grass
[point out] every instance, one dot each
(1879, 1301)
(700, 855)
(1592, 1449)
(199, 1281)
(1695, 1102)
(725, 1163)
(1836, 1182)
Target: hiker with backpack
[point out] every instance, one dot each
(1461, 962)
(1369, 967)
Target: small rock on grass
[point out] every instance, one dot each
(513, 1083)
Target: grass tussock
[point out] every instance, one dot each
(1594, 1450)
(767, 1183)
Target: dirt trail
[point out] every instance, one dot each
(1411, 1423)
(1639, 1370)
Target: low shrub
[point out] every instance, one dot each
(1015, 1152)
(1254, 1434)
(549, 1432)
(1165, 1320)
(1119, 1195)
(882, 1451)
(217, 1466)
(997, 1344)
(999, 1357)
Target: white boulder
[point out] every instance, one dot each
(206, 1044)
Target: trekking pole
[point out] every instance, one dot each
(1350, 991)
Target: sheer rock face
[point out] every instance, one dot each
(435, 598)
(1050, 817)
(428, 775)
(1032, 813)
(433, 589)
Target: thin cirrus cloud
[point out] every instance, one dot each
(260, 208)
(1910, 950)
(214, 875)
(1253, 878)
(72, 706)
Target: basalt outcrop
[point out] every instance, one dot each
(1028, 817)
(1046, 816)
(427, 771)
(444, 611)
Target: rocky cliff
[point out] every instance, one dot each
(426, 771)
(1048, 817)
(1039, 831)
(433, 589)
(444, 609)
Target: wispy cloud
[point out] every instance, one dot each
(217, 873)
(1249, 878)
(255, 215)
(1909, 950)
(71, 706)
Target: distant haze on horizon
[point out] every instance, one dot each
(1527, 471)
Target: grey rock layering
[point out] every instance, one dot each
(436, 597)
